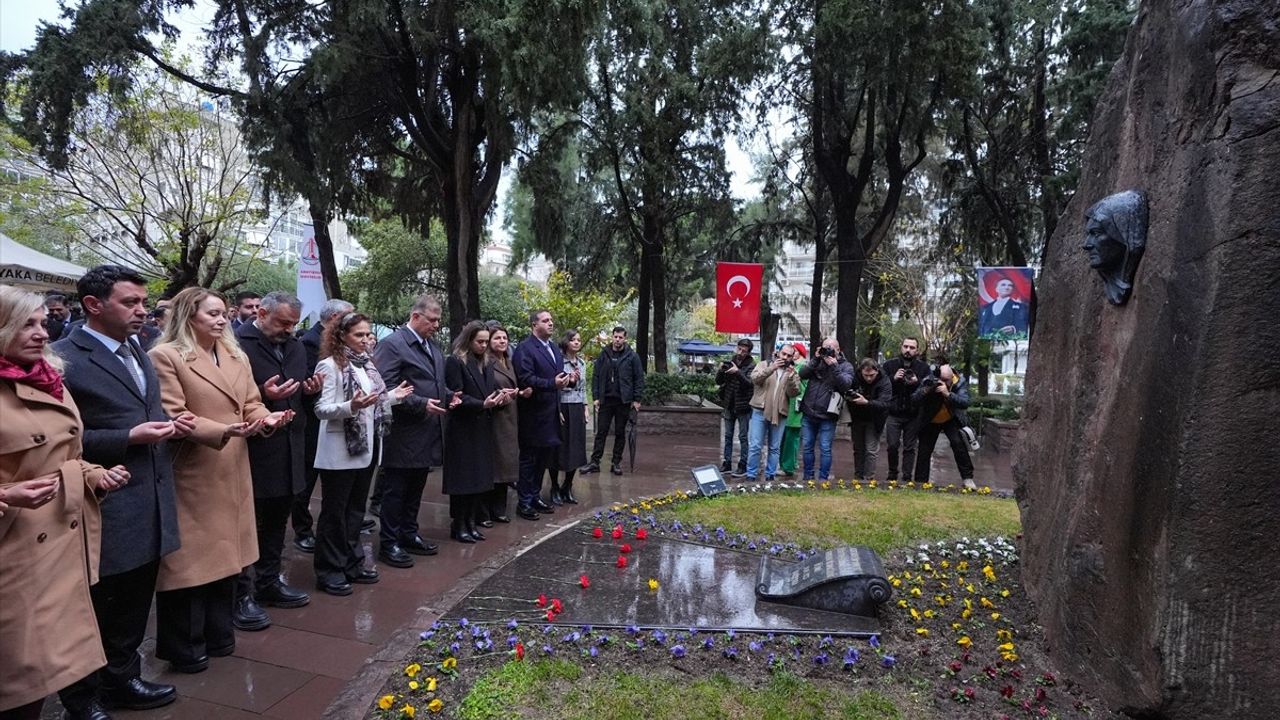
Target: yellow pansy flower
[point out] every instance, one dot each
(386, 701)
(431, 684)
(989, 572)
(435, 706)
(915, 614)
(408, 711)
(413, 685)
(653, 584)
(995, 616)
(449, 663)
(964, 642)
(413, 670)
(922, 632)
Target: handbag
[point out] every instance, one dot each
(970, 437)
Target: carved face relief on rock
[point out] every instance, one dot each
(1115, 236)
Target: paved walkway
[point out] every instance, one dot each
(329, 658)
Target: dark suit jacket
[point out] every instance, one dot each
(1015, 314)
(540, 413)
(311, 340)
(278, 463)
(139, 521)
(415, 439)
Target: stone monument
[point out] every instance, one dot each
(1149, 480)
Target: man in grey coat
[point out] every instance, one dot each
(115, 386)
(415, 443)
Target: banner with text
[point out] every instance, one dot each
(310, 281)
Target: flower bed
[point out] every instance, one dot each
(958, 638)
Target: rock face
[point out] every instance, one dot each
(1149, 478)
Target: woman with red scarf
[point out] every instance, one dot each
(48, 519)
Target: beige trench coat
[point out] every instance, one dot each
(48, 555)
(211, 473)
(506, 430)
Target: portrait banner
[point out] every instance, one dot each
(1004, 302)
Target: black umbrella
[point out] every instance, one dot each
(632, 422)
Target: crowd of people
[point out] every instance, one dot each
(784, 413)
(162, 452)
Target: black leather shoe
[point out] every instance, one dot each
(367, 526)
(305, 544)
(504, 519)
(366, 576)
(471, 528)
(394, 556)
(527, 512)
(589, 468)
(616, 469)
(190, 667)
(92, 711)
(248, 616)
(282, 596)
(334, 588)
(458, 531)
(541, 506)
(566, 494)
(485, 523)
(418, 546)
(138, 694)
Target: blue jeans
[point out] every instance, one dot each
(824, 430)
(743, 423)
(760, 426)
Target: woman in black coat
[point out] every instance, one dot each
(468, 432)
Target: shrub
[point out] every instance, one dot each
(659, 387)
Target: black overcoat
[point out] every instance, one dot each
(468, 429)
(140, 520)
(278, 462)
(415, 440)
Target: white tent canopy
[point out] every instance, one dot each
(33, 270)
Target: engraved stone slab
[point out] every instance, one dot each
(845, 580)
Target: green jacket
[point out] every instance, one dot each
(794, 416)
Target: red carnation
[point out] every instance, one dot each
(597, 533)
(542, 601)
(642, 534)
(626, 548)
(519, 651)
(551, 616)
(617, 532)
(584, 582)
(622, 561)
(556, 606)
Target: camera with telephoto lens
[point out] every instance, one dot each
(826, 352)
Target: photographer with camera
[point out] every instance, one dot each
(905, 372)
(829, 376)
(775, 383)
(942, 398)
(734, 379)
(868, 407)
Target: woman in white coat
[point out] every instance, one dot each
(353, 408)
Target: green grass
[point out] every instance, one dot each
(524, 689)
(880, 519)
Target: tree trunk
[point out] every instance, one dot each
(849, 275)
(1040, 138)
(658, 279)
(462, 225)
(321, 216)
(644, 299)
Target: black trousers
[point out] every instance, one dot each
(272, 518)
(302, 523)
(30, 711)
(121, 603)
(612, 412)
(401, 499)
(339, 554)
(534, 464)
(494, 503)
(901, 433)
(928, 439)
(192, 620)
(464, 507)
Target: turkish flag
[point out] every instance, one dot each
(738, 288)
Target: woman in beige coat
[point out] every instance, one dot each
(48, 519)
(505, 428)
(203, 371)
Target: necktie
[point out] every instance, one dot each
(125, 351)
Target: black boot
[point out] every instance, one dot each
(566, 492)
(458, 531)
(471, 528)
(555, 490)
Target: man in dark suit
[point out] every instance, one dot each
(277, 461)
(57, 318)
(115, 386)
(247, 304)
(539, 365)
(415, 443)
(304, 537)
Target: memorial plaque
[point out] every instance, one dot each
(699, 586)
(710, 481)
(846, 580)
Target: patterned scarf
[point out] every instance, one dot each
(41, 376)
(353, 428)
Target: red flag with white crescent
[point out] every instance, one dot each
(738, 287)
